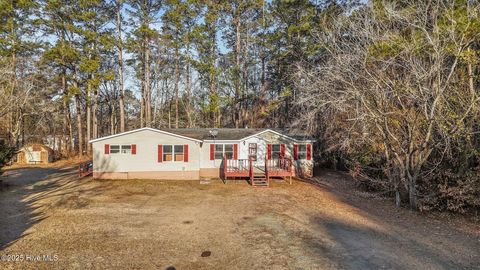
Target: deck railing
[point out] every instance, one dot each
(235, 165)
(279, 167)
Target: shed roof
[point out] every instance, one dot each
(36, 145)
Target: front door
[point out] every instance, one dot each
(252, 151)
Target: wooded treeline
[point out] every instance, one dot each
(90, 68)
(399, 83)
(389, 88)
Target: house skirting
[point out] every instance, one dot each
(301, 172)
(209, 172)
(158, 175)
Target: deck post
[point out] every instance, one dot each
(291, 169)
(225, 168)
(250, 170)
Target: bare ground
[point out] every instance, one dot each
(143, 224)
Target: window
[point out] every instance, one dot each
(126, 149)
(218, 151)
(276, 152)
(120, 149)
(302, 151)
(167, 153)
(114, 149)
(178, 152)
(172, 152)
(229, 151)
(224, 149)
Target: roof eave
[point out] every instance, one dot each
(142, 129)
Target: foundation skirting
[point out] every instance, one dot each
(160, 175)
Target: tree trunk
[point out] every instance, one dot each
(398, 200)
(177, 79)
(142, 104)
(67, 117)
(112, 119)
(412, 193)
(79, 120)
(13, 84)
(148, 105)
(188, 90)
(120, 67)
(94, 115)
(237, 79)
(170, 114)
(89, 117)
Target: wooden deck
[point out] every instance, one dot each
(257, 175)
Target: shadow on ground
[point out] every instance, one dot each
(21, 200)
(378, 235)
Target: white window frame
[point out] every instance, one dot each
(275, 151)
(302, 154)
(172, 152)
(116, 150)
(126, 149)
(223, 151)
(123, 149)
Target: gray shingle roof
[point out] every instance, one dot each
(201, 134)
(229, 133)
(223, 133)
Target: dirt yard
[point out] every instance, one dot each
(50, 219)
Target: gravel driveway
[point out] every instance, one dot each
(53, 220)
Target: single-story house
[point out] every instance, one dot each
(149, 153)
(35, 153)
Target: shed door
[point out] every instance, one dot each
(35, 157)
(43, 157)
(21, 158)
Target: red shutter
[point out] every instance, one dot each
(309, 151)
(185, 153)
(282, 150)
(134, 149)
(107, 149)
(269, 151)
(160, 153)
(212, 151)
(295, 151)
(235, 151)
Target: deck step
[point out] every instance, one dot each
(260, 182)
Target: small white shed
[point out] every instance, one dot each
(35, 154)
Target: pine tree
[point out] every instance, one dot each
(16, 26)
(205, 36)
(143, 13)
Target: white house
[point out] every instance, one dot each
(149, 153)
